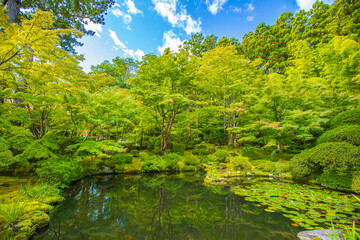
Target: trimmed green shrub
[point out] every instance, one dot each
(338, 157)
(60, 171)
(178, 148)
(347, 133)
(221, 155)
(336, 180)
(241, 163)
(208, 160)
(264, 165)
(135, 153)
(282, 167)
(121, 158)
(201, 151)
(191, 160)
(350, 117)
(355, 185)
(153, 164)
(171, 161)
(189, 168)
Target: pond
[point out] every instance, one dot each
(175, 206)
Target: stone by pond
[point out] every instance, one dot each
(175, 206)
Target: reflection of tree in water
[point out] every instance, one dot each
(161, 207)
(160, 226)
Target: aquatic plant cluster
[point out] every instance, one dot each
(307, 206)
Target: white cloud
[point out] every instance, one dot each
(131, 7)
(170, 41)
(127, 19)
(95, 27)
(235, 9)
(116, 40)
(120, 45)
(117, 12)
(168, 10)
(307, 4)
(250, 18)
(215, 5)
(250, 7)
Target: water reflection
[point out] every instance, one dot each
(161, 207)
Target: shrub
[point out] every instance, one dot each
(121, 158)
(221, 155)
(4, 145)
(135, 153)
(355, 185)
(189, 168)
(282, 167)
(336, 180)
(58, 171)
(19, 138)
(178, 148)
(191, 160)
(201, 151)
(347, 133)
(241, 163)
(334, 157)
(171, 161)
(6, 159)
(264, 165)
(208, 160)
(350, 117)
(153, 164)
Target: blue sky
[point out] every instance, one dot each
(137, 27)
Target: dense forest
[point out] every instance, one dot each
(283, 100)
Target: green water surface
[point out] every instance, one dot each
(175, 206)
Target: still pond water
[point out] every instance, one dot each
(152, 207)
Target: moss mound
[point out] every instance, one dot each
(347, 133)
(350, 117)
(326, 162)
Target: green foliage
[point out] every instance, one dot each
(41, 192)
(340, 158)
(201, 151)
(350, 117)
(12, 211)
(94, 148)
(347, 133)
(19, 138)
(135, 153)
(355, 185)
(221, 155)
(153, 164)
(241, 163)
(336, 180)
(36, 151)
(265, 165)
(121, 158)
(60, 171)
(171, 161)
(6, 159)
(189, 168)
(191, 160)
(4, 145)
(178, 148)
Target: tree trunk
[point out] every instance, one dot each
(281, 148)
(13, 9)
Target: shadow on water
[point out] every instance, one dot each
(161, 206)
